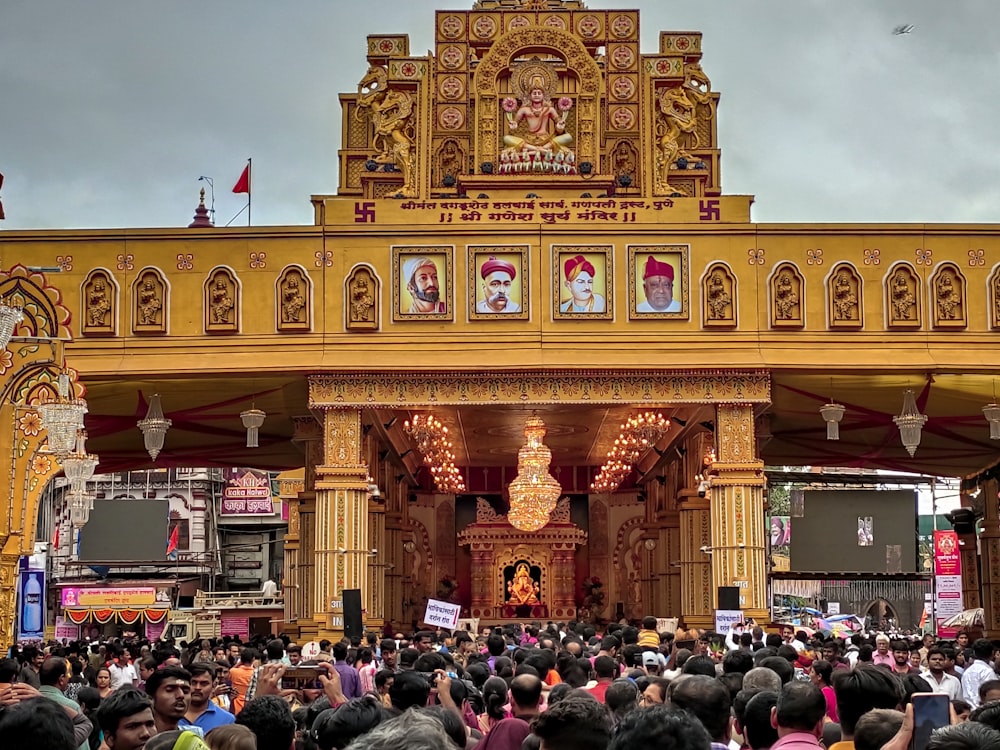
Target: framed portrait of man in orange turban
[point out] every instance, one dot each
(498, 282)
(582, 282)
(422, 283)
(658, 281)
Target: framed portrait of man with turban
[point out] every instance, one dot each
(422, 283)
(582, 282)
(658, 281)
(498, 282)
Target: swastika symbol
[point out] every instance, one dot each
(364, 212)
(709, 210)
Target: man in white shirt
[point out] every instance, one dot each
(270, 590)
(978, 672)
(939, 680)
(122, 671)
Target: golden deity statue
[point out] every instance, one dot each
(522, 589)
(389, 111)
(537, 141)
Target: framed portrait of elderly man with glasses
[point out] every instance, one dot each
(422, 283)
(582, 284)
(658, 281)
(498, 282)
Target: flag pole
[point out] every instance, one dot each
(249, 188)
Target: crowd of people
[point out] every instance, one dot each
(562, 686)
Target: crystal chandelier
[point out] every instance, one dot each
(80, 504)
(534, 492)
(432, 441)
(154, 427)
(910, 422)
(79, 465)
(10, 316)
(63, 418)
(638, 434)
(252, 420)
(832, 414)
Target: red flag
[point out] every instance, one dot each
(1, 203)
(243, 184)
(55, 537)
(172, 542)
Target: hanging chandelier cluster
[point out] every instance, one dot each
(10, 316)
(638, 434)
(432, 442)
(534, 492)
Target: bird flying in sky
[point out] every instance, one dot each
(905, 28)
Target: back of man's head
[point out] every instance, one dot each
(53, 669)
(577, 722)
(699, 665)
(270, 719)
(275, 649)
(649, 623)
(862, 689)
(970, 735)
(247, 656)
(409, 689)
(707, 699)
(757, 728)
(982, 648)
(659, 726)
(496, 645)
(622, 696)
(36, 723)
(737, 661)
(875, 728)
(781, 667)
(801, 707)
(605, 668)
(526, 690)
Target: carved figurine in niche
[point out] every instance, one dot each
(222, 301)
(845, 301)
(292, 301)
(949, 301)
(677, 118)
(150, 302)
(996, 300)
(522, 588)
(903, 301)
(362, 301)
(537, 141)
(390, 112)
(98, 304)
(718, 298)
(785, 298)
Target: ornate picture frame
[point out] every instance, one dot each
(498, 278)
(664, 271)
(430, 260)
(572, 265)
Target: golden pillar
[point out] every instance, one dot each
(342, 551)
(375, 600)
(737, 501)
(989, 541)
(300, 542)
(695, 563)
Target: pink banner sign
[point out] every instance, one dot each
(947, 561)
(248, 494)
(235, 626)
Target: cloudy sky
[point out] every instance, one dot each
(110, 110)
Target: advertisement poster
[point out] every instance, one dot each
(31, 605)
(947, 580)
(66, 630)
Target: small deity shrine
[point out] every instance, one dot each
(522, 574)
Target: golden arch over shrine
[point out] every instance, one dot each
(529, 220)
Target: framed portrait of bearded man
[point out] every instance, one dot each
(422, 286)
(498, 282)
(658, 281)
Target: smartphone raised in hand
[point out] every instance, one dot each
(930, 711)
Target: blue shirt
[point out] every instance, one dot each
(214, 716)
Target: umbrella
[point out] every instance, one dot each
(966, 618)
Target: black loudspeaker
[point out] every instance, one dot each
(729, 598)
(352, 613)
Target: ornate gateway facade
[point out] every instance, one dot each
(529, 221)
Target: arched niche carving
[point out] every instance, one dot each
(949, 297)
(293, 300)
(362, 295)
(902, 297)
(509, 557)
(994, 297)
(578, 63)
(222, 297)
(718, 290)
(100, 298)
(845, 297)
(628, 561)
(623, 160)
(150, 302)
(450, 161)
(787, 288)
